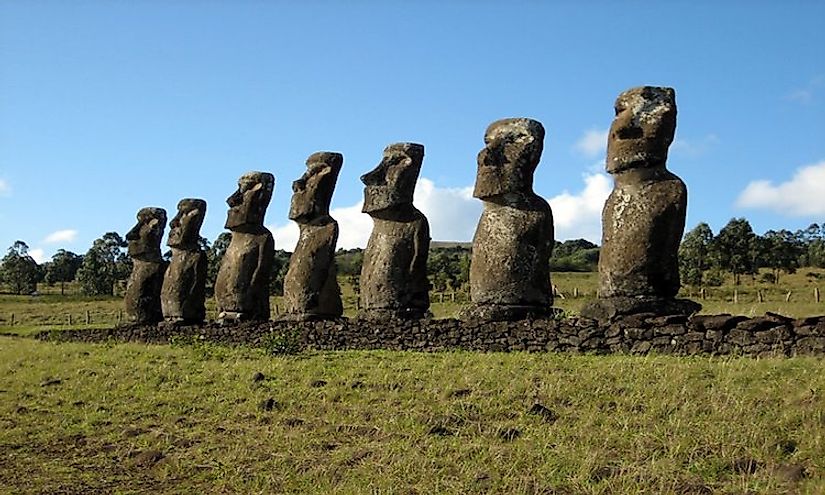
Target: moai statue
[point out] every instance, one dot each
(142, 298)
(394, 274)
(242, 285)
(310, 287)
(510, 267)
(184, 285)
(644, 217)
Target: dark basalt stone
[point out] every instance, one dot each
(394, 280)
(183, 294)
(242, 285)
(142, 299)
(310, 286)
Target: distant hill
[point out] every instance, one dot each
(450, 244)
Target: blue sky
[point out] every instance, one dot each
(107, 107)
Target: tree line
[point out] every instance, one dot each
(704, 258)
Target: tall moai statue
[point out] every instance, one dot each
(184, 285)
(310, 287)
(510, 267)
(394, 280)
(242, 285)
(644, 217)
(142, 297)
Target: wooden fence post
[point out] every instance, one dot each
(12, 320)
(88, 317)
(735, 296)
(703, 293)
(788, 296)
(575, 292)
(816, 294)
(70, 319)
(452, 296)
(759, 296)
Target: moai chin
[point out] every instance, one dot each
(242, 285)
(644, 217)
(510, 267)
(183, 294)
(394, 280)
(142, 299)
(310, 286)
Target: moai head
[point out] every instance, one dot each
(312, 193)
(247, 206)
(510, 156)
(184, 229)
(642, 130)
(144, 238)
(392, 182)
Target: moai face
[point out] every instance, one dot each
(247, 206)
(392, 182)
(642, 130)
(510, 156)
(184, 229)
(312, 193)
(144, 238)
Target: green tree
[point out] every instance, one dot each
(695, 255)
(782, 251)
(735, 247)
(18, 270)
(575, 255)
(63, 268)
(103, 265)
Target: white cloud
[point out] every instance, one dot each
(593, 143)
(803, 194)
(67, 235)
(38, 255)
(453, 213)
(5, 188)
(579, 215)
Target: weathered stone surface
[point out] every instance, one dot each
(394, 273)
(183, 293)
(310, 287)
(242, 285)
(142, 299)
(644, 217)
(510, 271)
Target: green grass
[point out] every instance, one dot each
(128, 418)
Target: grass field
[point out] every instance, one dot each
(81, 418)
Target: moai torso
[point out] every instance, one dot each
(511, 253)
(242, 285)
(510, 267)
(142, 298)
(184, 287)
(394, 273)
(183, 294)
(642, 225)
(310, 286)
